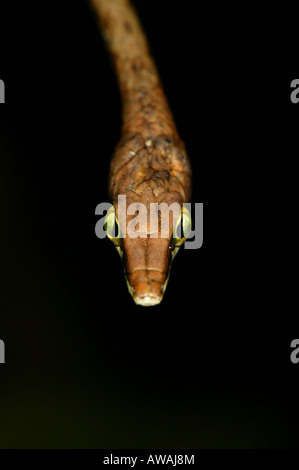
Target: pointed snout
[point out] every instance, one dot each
(147, 263)
(147, 286)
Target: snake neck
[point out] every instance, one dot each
(145, 110)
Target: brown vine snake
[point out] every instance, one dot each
(149, 164)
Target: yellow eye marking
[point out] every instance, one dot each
(182, 228)
(113, 229)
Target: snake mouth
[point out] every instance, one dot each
(147, 300)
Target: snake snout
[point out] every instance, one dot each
(147, 301)
(147, 269)
(147, 286)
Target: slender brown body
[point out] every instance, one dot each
(150, 164)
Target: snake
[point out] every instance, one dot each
(149, 164)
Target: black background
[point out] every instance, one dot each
(209, 367)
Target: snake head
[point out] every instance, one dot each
(147, 253)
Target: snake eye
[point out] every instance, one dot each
(182, 228)
(112, 228)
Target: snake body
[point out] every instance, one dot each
(150, 164)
